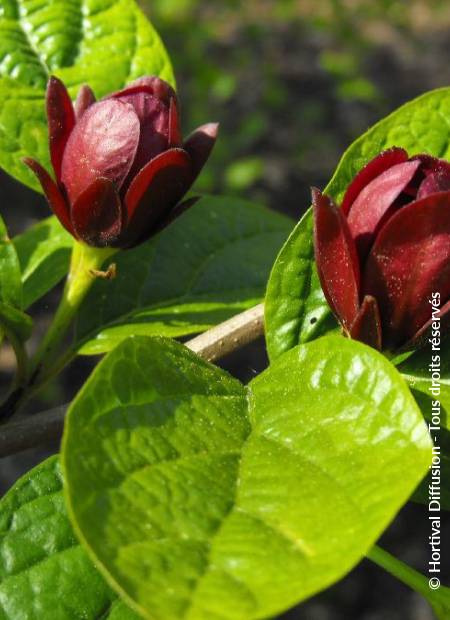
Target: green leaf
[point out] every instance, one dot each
(296, 310)
(417, 373)
(15, 321)
(44, 254)
(200, 498)
(44, 572)
(293, 293)
(10, 274)
(106, 43)
(210, 264)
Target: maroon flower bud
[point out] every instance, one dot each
(120, 164)
(386, 251)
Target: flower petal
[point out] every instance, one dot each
(102, 144)
(437, 178)
(421, 337)
(367, 325)
(200, 144)
(85, 99)
(153, 115)
(61, 121)
(175, 137)
(375, 201)
(97, 214)
(148, 84)
(409, 260)
(374, 168)
(336, 259)
(52, 192)
(155, 191)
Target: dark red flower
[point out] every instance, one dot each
(120, 164)
(383, 254)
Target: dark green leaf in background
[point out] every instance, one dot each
(10, 273)
(44, 254)
(105, 43)
(44, 572)
(200, 498)
(15, 322)
(210, 264)
(416, 372)
(293, 294)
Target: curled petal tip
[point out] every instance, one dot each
(84, 100)
(211, 129)
(315, 194)
(200, 144)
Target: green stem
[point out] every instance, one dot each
(15, 393)
(439, 599)
(79, 281)
(46, 362)
(17, 345)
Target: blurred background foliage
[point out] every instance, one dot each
(293, 82)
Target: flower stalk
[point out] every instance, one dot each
(84, 262)
(33, 374)
(439, 599)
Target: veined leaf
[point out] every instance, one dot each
(44, 572)
(200, 498)
(105, 43)
(208, 265)
(44, 254)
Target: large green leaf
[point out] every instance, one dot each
(203, 499)
(294, 296)
(44, 254)
(211, 263)
(44, 572)
(105, 43)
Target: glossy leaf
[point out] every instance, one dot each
(208, 265)
(44, 254)
(10, 274)
(200, 498)
(296, 310)
(44, 572)
(106, 43)
(293, 291)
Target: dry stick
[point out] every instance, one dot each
(212, 345)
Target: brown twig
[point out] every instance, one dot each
(212, 345)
